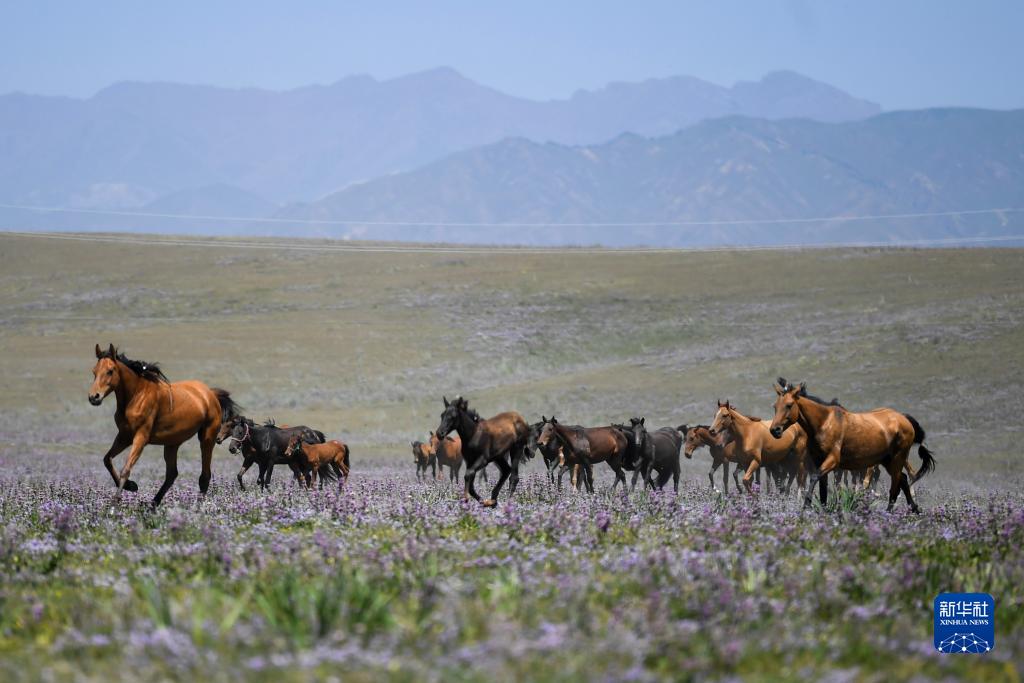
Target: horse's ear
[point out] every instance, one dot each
(642, 420)
(780, 388)
(803, 388)
(553, 420)
(685, 429)
(99, 354)
(112, 351)
(719, 403)
(445, 399)
(543, 420)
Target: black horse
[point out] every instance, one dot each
(651, 451)
(265, 445)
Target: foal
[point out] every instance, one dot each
(311, 457)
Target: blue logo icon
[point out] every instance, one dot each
(965, 623)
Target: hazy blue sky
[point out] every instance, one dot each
(901, 54)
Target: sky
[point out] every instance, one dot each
(902, 54)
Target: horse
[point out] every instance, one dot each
(268, 444)
(500, 439)
(153, 410)
(424, 456)
(551, 452)
(587, 446)
(839, 438)
(313, 458)
(656, 450)
(449, 454)
(250, 455)
(722, 452)
(754, 441)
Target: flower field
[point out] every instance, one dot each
(394, 579)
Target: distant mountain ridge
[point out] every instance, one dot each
(729, 169)
(135, 143)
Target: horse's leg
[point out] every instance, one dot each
(504, 469)
(433, 466)
(895, 470)
(736, 476)
(636, 475)
(663, 479)
(752, 469)
(207, 440)
(138, 443)
(588, 475)
(170, 473)
(471, 472)
(905, 485)
(616, 466)
(122, 441)
(725, 475)
(269, 473)
(676, 472)
(819, 476)
(513, 479)
(711, 474)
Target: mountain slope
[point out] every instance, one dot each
(731, 169)
(134, 142)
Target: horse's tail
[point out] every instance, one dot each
(348, 464)
(228, 408)
(927, 459)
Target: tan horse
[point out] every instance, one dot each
(152, 410)
(314, 456)
(839, 438)
(753, 442)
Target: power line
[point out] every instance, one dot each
(446, 224)
(282, 245)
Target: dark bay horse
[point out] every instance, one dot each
(839, 438)
(243, 444)
(587, 446)
(550, 452)
(500, 439)
(153, 410)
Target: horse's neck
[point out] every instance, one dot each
(812, 417)
(741, 425)
(129, 386)
(466, 427)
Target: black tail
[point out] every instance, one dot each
(319, 435)
(327, 473)
(927, 459)
(228, 408)
(683, 428)
(348, 465)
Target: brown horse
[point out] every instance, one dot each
(424, 456)
(586, 446)
(500, 439)
(312, 457)
(152, 410)
(723, 452)
(754, 442)
(839, 438)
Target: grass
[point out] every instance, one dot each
(395, 579)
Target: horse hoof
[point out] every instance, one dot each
(489, 503)
(131, 486)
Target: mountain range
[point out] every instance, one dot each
(432, 156)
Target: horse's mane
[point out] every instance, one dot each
(147, 371)
(803, 394)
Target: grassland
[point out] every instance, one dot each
(363, 345)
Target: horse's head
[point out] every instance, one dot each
(639, 431)
(692, 439)
(546, 432)
(240, 433)
(106, 375)
(225, 428)
(787, 408)
(723, 419)
(294, 448)
(452, 415)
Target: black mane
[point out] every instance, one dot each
(803, 394)
(147, 371)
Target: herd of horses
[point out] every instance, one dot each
(805, 440)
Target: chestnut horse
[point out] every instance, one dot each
(500, 439)
(754, 442)
(587, 446)
(839, 438)
(314, 457)
(152, 410)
